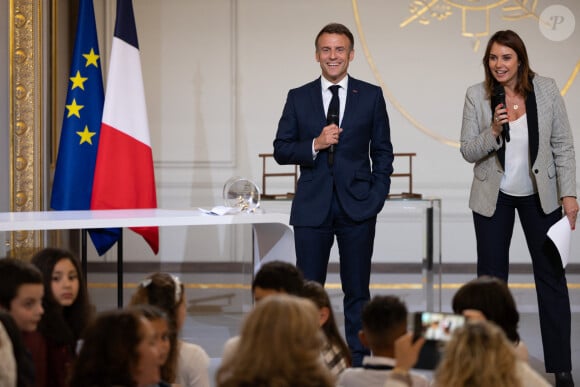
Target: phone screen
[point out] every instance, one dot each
(437, 326)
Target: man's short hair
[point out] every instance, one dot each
(381, 318)
(13, 274)
(280, 276)
(335, 28)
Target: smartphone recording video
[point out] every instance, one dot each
(436, 326)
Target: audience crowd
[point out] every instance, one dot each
(51, 336)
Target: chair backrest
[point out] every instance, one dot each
(409, 175)
(294, 174)
(266, 175)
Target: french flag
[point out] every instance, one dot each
(124, 176)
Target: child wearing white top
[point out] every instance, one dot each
(384, 320)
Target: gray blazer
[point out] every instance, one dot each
(554, 167)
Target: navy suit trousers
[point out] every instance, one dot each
(355, 245)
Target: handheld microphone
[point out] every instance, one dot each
(331, 119)
(499, 93)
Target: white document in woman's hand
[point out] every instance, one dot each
(560, 233)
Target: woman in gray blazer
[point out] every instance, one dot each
(516, 131)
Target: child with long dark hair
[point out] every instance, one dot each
(335, 352)
(160, 323)
(66, 310)
(187, 364)
(118, 350)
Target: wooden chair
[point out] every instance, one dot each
(266, 175)
(289, 195)
(408, 175)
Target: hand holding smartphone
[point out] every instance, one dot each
(436, 326)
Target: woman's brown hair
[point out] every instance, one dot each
(512, 40)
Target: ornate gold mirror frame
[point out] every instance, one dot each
(26, 110)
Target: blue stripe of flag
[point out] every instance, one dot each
(125, 28)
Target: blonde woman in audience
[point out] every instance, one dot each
(279, 346)
(335, 352)
(118, 350)
(480, 355)
(167, 293)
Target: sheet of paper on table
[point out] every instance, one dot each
(221, 210)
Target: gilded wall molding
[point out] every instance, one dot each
(426, 12)
(26, 112)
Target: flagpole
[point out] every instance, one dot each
(120, 270)
(84, 252)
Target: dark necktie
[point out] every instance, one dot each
(332, 117)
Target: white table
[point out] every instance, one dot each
(272, 235)
(62, 220)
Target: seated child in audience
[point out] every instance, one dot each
(160, 324)
(275, 277)
(489, 298)
(406, 355)
(279, 345)
(384, 320)
(21, 292)
(118, 350)
(7, 361)
(167, 293)
(66, 310)
(335, 352)
(480, 355)
(23, 361)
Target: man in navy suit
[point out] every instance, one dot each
(345, 172)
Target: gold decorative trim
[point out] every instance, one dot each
(25, 110)
(571, 79)
(422, 12)
(387, 92)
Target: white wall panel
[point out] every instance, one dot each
(217, 74)
(189, 59)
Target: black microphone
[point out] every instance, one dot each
(331, 119)
(499, 93)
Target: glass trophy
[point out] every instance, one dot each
(242, 194)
